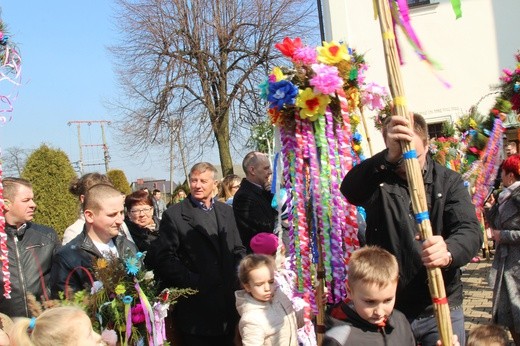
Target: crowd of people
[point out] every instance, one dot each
(224, 243)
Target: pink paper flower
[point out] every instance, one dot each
(326, 79)
(137, 314)
(373, 96)
(305, 55)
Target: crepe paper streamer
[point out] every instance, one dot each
(148, 313)
(314, 178)
(160, 311)
(303, 261)
(490, 165)
(128, 316)
(455, 4)
(335, 231)
(4, 253)
(321, 143)
(288, 147)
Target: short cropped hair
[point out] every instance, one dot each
(11, 186)
(138, 197)
(97, 194)
(373, 265)
(251, 159)
(251, 262)
(487, 335)
(202, 167)
(420, 127)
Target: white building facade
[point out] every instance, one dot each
(472, 51)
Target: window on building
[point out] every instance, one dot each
(413, 3)
(435, 130)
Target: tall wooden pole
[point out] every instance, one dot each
(413, 171)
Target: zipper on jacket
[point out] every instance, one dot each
(34, 246)
(21, 275)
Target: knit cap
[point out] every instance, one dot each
(264, 243)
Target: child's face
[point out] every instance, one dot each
(4, 339)
(86, 336)
(372, 303)
(261, 283)
(108, 219)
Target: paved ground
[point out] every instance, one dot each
(477, 294)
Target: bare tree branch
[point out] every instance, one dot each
(198, 63)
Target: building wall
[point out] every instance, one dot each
(472, 51)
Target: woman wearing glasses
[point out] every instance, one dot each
(140, 219)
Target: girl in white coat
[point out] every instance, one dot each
(267, 314)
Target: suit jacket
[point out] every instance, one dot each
(187, 254)
(253, 211)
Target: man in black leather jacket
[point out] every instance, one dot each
(379, 184)
(30, 249)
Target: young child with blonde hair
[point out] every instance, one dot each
(267, 314)
(60, 326)
(367, 316)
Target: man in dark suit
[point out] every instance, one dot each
(252, 201)
(199, 247)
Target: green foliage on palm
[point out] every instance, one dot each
(262, 137)
(119, 180)
(50, 172)
(448, 129)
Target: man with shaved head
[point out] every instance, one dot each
(252, 201)
(103, 208)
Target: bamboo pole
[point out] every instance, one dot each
(367, 134)
(413, 171)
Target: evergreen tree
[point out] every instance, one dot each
(118, 179)
(50, 172)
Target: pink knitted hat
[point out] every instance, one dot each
(264, 243)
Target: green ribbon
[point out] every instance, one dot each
(456, 8)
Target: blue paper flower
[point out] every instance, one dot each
(132, 265)
(282, 93)
(127, 299)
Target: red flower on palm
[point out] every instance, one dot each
(288, 46)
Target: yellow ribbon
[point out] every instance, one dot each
(400, 101)
(388, 35)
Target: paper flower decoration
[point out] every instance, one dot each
(311, 105)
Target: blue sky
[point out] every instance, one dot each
(66, 75)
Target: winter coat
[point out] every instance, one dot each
(272, 323)
(505, 272)
(30, 251)
(253, 211)
(200, 250)
(390, 223)
(345, 327)
(81, 252)
(142, 236)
